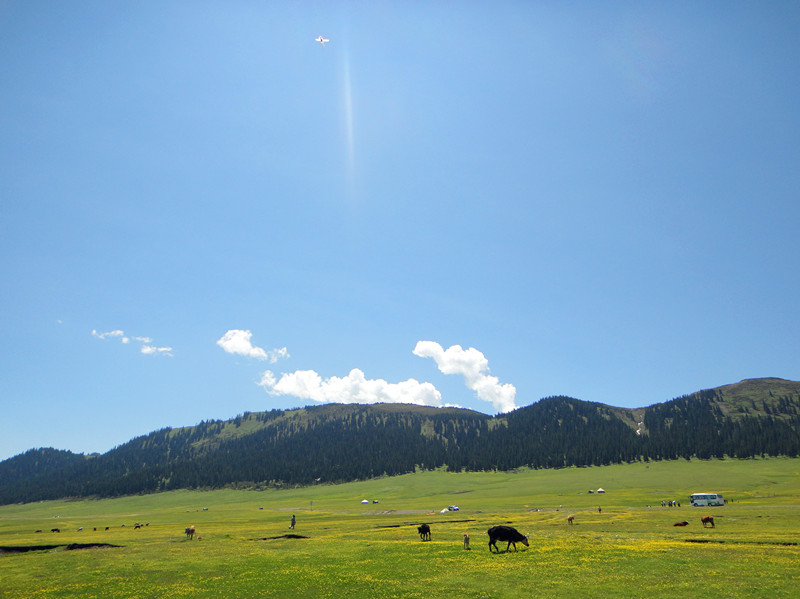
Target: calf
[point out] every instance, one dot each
(570, 519)
(424, 532)
(505, 533)
(684, 523)
(466, 540)
(189, 532)
(707, 520)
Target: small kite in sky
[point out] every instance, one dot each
(321, 40)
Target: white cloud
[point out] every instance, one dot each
(151, 349)
(115, 333)
(474, 367)
(145, 348)
(237, 341)
(354, 388)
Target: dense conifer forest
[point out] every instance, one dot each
(337, 443)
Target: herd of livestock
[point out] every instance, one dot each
(505, 534)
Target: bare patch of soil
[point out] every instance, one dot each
(70, 547)
(418, 523)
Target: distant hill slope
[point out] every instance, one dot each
(338, 442)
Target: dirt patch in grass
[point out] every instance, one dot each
(70, 547)
(289, 536)
(418, 523)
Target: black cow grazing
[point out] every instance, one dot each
(505, 533)
(684, 523)
(424, 532)
(55, 530)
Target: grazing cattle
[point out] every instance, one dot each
(424, 532)
(684, 523)
(40, 530)
(466, 540)
(505, 533)
(108, 528)
(706, 520)
(55, 530)
(190, 532)
(570, 519)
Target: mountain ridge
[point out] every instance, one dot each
(341, 442)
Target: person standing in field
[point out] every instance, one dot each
(291, 526)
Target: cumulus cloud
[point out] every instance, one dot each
(237, 341)
(111, 334)
(152, 349)
(145, 348)
(354, 388)
(474, 367)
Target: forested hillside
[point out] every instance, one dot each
(334, 443)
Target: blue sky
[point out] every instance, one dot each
(203, 211)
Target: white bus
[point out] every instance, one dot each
(698, 499)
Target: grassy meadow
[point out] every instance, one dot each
(630, 549)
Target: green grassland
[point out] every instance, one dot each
(630, 549)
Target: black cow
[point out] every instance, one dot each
(505, 533)
(424, 532)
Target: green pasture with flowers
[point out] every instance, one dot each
(622, 542)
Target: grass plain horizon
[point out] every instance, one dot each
(622, 544)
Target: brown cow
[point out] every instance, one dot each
(684, 523)
(707, 520)
(570, 519)
(189, 532)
